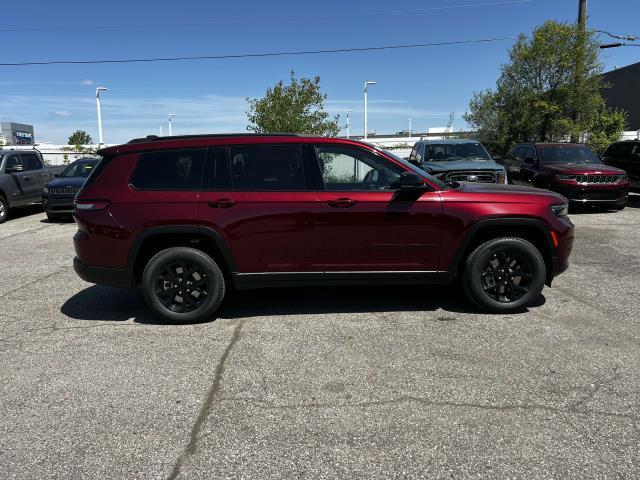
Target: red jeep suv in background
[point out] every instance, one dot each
(570, 169)
(189, 218)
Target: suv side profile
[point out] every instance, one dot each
(625, 155)
(189, 218)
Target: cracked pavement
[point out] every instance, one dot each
(320, 383)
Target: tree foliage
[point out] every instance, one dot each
(548, 91)
(294, 108)
(80, 137)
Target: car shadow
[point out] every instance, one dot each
(65, 219)
(114, 304)
(24, 211)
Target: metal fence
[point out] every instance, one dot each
(59, 155)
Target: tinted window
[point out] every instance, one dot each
(567, 154)
(31, 161)
(12, 161)
(169, 170)
(529, 152)
(414, 152)
(218, 177)
(345, 168)
(454, 151)
(636, 149)
(267, 167)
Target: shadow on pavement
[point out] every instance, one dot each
(113, 304)
(20, 212)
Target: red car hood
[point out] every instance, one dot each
(584, 168)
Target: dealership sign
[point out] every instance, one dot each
(23, 138)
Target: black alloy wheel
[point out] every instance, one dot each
(182, 287)
(506, 276)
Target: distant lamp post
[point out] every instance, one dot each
(348, 125)
(366, 84)
(98, 90)
(171, 115)
(410, 120)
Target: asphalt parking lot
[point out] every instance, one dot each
(321, 383)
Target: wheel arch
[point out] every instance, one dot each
(532, 230)
(155, 239)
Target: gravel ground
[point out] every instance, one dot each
(320, 383)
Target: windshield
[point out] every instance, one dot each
(80, 168)
(413, 168)
(454, 151)
(567, 154)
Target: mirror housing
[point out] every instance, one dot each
(14, 169)
(408, 181)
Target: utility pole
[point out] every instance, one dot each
(348, 125)
(582, 23)
(582, 15)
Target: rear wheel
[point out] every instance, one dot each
(183, 285)
(4, 209)
(504, 275)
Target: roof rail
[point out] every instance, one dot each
(156, 138)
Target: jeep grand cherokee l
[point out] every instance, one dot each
(189, 218)
(569, 169)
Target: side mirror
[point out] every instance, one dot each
(407, 181)
(497, 158)
(14, 169)
(529, 160)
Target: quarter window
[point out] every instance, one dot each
(268, 167)
(345, 169)
(169, 170)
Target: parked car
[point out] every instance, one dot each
(23, 176)
(570, 169)
(58, 194)
(625, 155)
(457, 160)
(190, 218)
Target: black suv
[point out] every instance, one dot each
(625, 155)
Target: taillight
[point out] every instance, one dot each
(84, 205)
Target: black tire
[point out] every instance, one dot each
(53, 217)
(166, 280)
(4, 209)
(514, 261)
(618, 207)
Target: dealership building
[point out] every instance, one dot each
(12, 133)
(621, 92)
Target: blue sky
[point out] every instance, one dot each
(209, 96)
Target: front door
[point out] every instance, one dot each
(259, 199)
(366, 224)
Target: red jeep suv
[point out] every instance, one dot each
(189, 218)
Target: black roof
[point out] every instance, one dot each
(156, 138)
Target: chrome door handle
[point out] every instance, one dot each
(221, 203)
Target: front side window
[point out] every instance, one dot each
(268, 167)
(345, 168)
(169, 170)
(31, 162)
(567, 154)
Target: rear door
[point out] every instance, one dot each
(24, 192)
(528, 170)
(260, 199)
(366, 224)
(38, 177)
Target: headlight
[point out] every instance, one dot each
(501, 177)
(560, 210)
(565, 177)
(46, 189)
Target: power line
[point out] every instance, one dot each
(174, 25)
(254, 55)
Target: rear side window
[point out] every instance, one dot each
(268, 167)
(169, 170)
(31, 161)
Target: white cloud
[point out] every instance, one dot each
(87, 82)
(62, 113)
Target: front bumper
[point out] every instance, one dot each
(57, 204)
(613, 195)
(115, 277)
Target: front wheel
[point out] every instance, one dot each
(504, 275)
(183, 285)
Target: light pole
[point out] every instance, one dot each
(348, 112)
(171, 115)
(98, 90)
(410, 127)
(366, 84)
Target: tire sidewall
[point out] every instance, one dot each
(3, 217)
(479, 258)
(215, 294)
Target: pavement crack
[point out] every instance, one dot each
(62, 270)
(192, 445)
(596, 388)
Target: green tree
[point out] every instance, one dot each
(548, 91)
(294, 108)
(79, 137)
